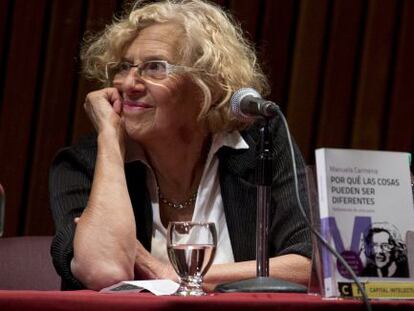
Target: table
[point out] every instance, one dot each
(88, 300)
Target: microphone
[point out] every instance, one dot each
(246, 103)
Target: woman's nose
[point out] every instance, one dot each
(133, 82)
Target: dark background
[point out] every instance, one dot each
(340, 69)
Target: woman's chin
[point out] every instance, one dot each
(141, 131)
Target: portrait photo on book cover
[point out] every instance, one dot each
(385, 252)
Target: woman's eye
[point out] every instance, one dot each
(155, 66)
(124, 67)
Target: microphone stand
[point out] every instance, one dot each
(262, 282)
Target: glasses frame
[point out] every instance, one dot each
(170, 68)
(383, 246)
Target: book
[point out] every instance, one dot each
(366, 210)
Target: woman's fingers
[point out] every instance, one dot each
(103, 107)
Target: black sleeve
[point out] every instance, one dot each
(70, 179)
(288, 230)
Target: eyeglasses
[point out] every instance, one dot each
(152, 70)
(384, 246)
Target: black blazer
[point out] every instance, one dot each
(71, 177)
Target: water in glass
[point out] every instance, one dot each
(191, 248)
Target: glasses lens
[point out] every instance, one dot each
(156, 70)
(382, 246)
(122, 69)
(117, 69)
(386, 246)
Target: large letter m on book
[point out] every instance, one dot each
(330, 231)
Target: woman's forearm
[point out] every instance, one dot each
(105, 237)
(291, 267)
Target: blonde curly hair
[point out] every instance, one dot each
(213, 43)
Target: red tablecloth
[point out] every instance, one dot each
(91, 301)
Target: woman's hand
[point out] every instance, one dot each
(103, 108)
(148, 267)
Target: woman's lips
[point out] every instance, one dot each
(135, 106)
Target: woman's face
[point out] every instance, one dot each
(158, 109)
(382, 249)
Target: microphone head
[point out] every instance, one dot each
(236, 100)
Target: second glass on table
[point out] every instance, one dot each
(191, 248)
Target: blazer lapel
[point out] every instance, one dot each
(238, 190)
(138, 192)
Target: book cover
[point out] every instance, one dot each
(366, 210)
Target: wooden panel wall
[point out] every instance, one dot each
(341, 70)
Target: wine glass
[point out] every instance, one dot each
(191, 248)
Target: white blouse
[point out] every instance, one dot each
(208, 206)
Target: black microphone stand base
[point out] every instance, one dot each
(261, 285)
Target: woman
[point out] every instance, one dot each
(385, 251)
(168, 149)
